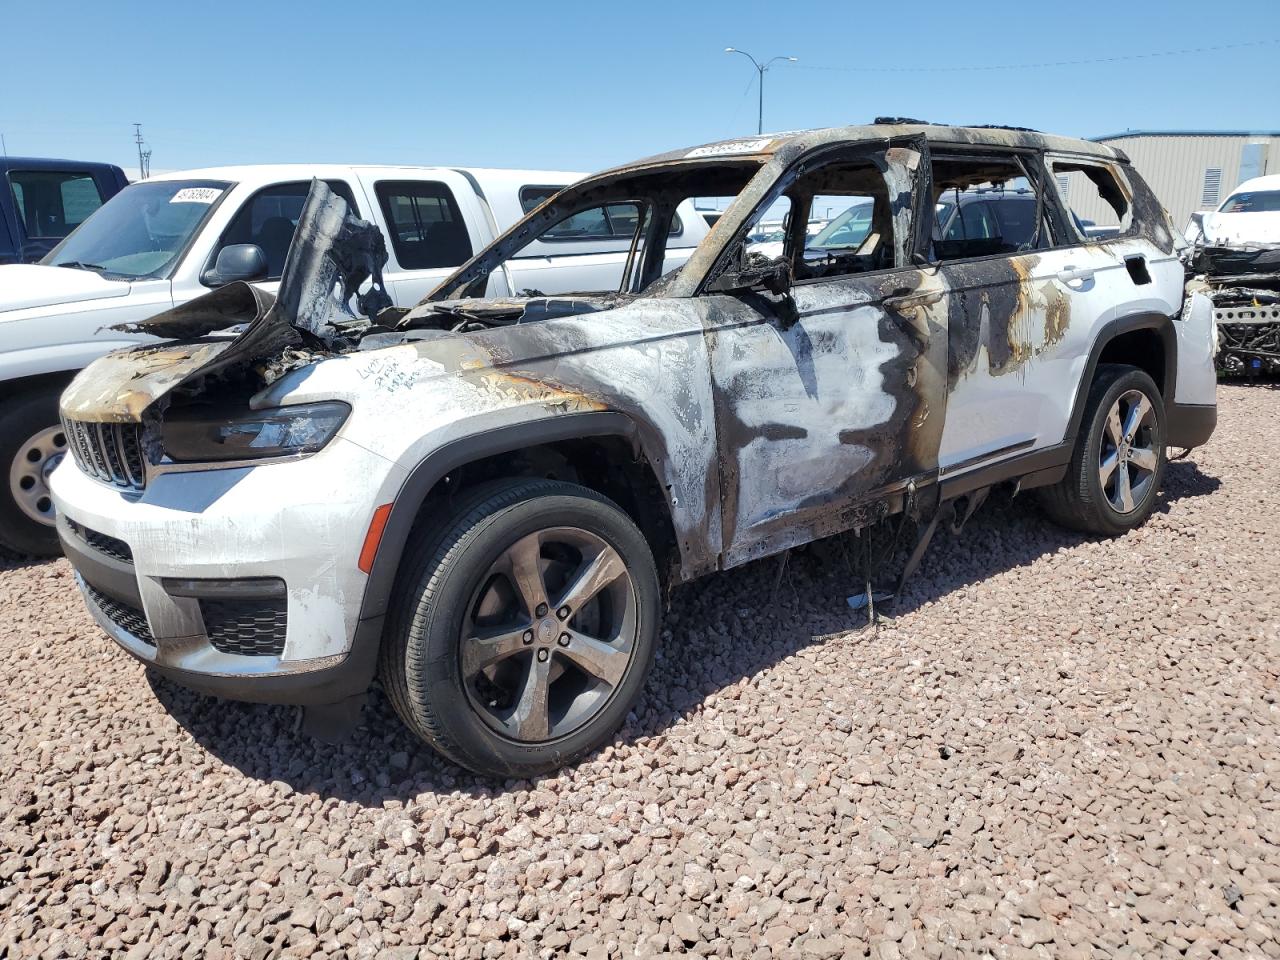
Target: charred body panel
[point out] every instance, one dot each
(825, 421)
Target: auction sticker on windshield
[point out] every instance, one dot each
(196, 195)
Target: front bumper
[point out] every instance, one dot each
(241, 582)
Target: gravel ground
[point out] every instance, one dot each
(1062, 747)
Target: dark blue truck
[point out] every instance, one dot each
(41, 201)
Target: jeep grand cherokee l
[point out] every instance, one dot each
(484, 499)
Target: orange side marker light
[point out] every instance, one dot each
(374, 537)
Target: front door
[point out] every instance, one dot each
(830, 394)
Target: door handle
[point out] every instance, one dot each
(1074, 276)
(900, 302)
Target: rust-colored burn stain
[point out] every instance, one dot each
(1057, 313)
(517, 388)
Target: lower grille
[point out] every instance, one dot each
(123, 615)
(110, 452)
(101, 542)
(247, 628)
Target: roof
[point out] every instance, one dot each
(766, 144)
(1270, 182)
(1187, 133)
(264, 173)
(49, 163)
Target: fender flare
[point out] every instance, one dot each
(457, 453)
(1152, 320)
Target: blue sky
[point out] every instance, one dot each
(586, 85)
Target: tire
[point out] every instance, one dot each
(459, 602)
(1083, 499)
(31, 442)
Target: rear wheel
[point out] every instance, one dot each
(1118, 462)
(524, 628)
(31, 445)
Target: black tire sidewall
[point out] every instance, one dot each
(1130, 379)
(434, 682)
(22, 419)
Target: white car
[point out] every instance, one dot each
(174, 237)
(1249, 215)
(486, 499)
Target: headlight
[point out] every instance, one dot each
(210, 435)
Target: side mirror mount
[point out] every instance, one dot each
(773, 275)
(237, 261)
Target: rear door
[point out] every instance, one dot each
(1006, 320)
(434, 224)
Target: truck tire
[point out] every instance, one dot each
(31, 445)
(1118, 461)
(523, 627)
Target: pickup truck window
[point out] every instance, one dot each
(269, 217)
(53, 203)
(427, 229)
(142, 230)
(619, 225)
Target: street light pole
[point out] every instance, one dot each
(760, 68)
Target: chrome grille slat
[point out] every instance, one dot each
(110, 452)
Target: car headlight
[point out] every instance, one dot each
(219, 434)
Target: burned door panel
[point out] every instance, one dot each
(830, 397)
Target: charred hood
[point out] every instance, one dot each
(239, 328)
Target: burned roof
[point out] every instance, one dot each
(766, 145)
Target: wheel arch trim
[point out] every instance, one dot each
(423, 477)
(1118, 327)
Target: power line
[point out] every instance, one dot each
(144, 156)
(1046, 64)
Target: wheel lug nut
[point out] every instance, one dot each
(563, 613)
(542, 610)
(543, 654)
(528, 636)
(564, 639)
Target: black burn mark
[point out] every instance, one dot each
(992, 284)
(894, 453)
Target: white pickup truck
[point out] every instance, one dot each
(169, 239)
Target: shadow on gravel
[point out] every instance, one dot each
(20, 561)
(721, 629)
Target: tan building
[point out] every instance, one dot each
(1189, 170)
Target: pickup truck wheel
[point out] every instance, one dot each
(524, 628)
(31, 445)
(1118, 462)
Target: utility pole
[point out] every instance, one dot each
(144, 156)
(761, 69)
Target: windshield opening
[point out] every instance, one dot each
(594, 238)
(141, 231)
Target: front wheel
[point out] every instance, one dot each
(1119, 458)
(31, 445)
(524, 629)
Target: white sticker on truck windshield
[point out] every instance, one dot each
(196, 195)
(733, 146)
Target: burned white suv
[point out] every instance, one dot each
(483, 500)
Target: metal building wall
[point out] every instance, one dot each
(1175, 164)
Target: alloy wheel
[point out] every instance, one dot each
(29, 473)
(549, 634)
(1128, 456)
